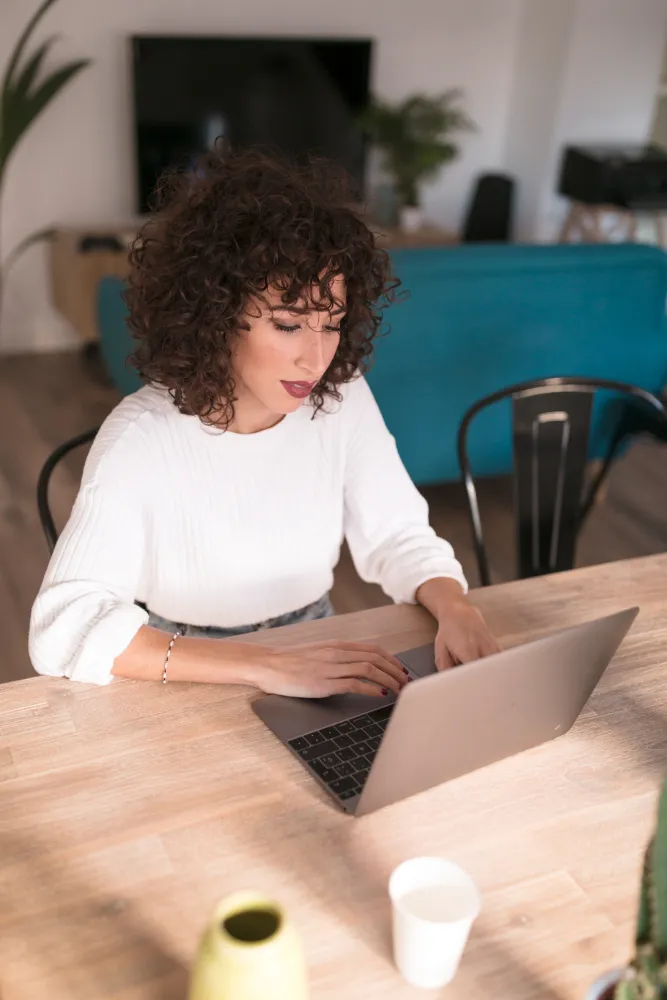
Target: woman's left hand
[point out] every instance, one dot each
(462, 635)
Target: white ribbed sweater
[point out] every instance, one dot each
(215, 528)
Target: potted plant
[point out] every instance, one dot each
(25, 92)
(645, 978)
(416, 139)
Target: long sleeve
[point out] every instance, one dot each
(386, 518)
(175, 515)
(84, 615)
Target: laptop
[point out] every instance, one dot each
(370, 752)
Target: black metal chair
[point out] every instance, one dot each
(551, 424)
(44, 480)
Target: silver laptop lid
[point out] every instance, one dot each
(454, 722)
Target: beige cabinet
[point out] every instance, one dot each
(79, 257)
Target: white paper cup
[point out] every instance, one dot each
(434, 903)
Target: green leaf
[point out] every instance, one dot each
(44, 94)
(37, 237)
(659, 866)
(416, 136)
(23, 41)
(31, 69)
(643, 932)
(15, 92)
(22, 113)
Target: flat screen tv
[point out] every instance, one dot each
(299, 95)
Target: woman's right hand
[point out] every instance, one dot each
(321, 669)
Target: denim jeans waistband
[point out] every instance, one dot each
(322, 608)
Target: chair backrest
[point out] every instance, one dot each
(45, 516)
(552, 431)
(490, 215)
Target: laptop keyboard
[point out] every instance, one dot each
(341, 755)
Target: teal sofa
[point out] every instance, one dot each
(480, 317)
(116, 342)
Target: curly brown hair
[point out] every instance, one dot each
(219, 235)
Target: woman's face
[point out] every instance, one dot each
(282, 356)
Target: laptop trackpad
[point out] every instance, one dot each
(420, 661)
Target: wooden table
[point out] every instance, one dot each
(126, 812)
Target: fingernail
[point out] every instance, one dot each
(384, 691)
(405, 671)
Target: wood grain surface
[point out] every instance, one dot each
(126, 812)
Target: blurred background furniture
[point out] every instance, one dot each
(427, 235)
(57, 455)
(115, 340)
(551, 424)
(612, 188)
(480, 316)
(606, 223)
(79, 257)
(490, 214)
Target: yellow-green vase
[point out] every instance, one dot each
(249, 951)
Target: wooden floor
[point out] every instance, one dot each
(46, 399)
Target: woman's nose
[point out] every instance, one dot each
(312, 356)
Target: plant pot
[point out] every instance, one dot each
(603, 987)
(411, 218)
(249, 951)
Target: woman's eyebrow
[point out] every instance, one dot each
(301, 310)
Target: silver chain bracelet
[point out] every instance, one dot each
(166, 659)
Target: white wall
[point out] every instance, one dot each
(76, 165)
(536, 74)
(543, 39)
(659, 126)
(610, 83)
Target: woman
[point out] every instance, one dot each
(215, 499)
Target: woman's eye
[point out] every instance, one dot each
(293, 329)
